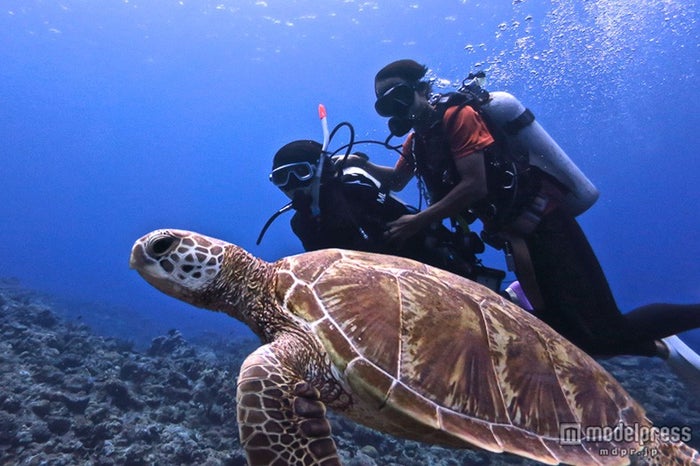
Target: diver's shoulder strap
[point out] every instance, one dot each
(521, 121)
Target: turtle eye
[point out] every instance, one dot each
(161, 245)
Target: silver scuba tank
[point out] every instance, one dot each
(530, 137)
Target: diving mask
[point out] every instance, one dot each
(396, 101)
(302, 171)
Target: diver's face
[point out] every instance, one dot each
(294, 179)
(295, 189)
(395, 98)
(300, 196)
(400, 99)
(293, 175)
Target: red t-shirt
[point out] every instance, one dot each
(467, 134)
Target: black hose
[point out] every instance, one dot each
(348, 146)
(270, 220)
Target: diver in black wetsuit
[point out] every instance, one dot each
(579, 302)
(353, 213)
(468, 163)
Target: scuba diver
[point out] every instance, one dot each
(352, 212)
(482, 155)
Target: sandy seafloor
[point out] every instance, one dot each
(70, 396)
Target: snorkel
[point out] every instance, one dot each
(315, 187)
(324, 126)
(316, 184)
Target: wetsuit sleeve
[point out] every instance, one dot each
(466, 130)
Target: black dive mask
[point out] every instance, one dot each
(396, 101)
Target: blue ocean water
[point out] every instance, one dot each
(118, 117)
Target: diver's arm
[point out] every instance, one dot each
(396, 178)
(470, 188)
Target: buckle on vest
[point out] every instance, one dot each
(512, 177)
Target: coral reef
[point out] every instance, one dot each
(73, 397)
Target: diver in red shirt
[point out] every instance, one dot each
(474, 166)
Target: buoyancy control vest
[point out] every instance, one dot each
(522, 158)
(508, 175)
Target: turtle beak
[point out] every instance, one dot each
(139, 258)
(136, 259)
(147, 265)
(144, 258)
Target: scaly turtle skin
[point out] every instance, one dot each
(400, 347)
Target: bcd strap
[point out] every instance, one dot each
(524, 119)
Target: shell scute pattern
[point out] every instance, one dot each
(401, 356)
(355, 308)
(594, 396)
(338, 347)
(285, 282)
(308, 267)
(528, 381)
(319, 289)
(295, 279)
(390, 264)
(471, 430)
(415, 407)
(434, 361)
(523, 442)
(302, 301)
(367, 379)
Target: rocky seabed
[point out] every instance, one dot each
(71, 397)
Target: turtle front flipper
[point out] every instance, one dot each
(281, 419)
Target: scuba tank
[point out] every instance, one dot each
(516, 128)
(527, 136)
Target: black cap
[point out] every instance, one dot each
(406, 69)
(303, 150)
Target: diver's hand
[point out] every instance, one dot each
(403, 228)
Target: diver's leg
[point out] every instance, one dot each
(578, 301)
(657, 321)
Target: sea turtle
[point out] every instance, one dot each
(403, 348)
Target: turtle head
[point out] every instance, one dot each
(205, 272)
(182, 264)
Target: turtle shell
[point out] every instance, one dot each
(432, 356)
